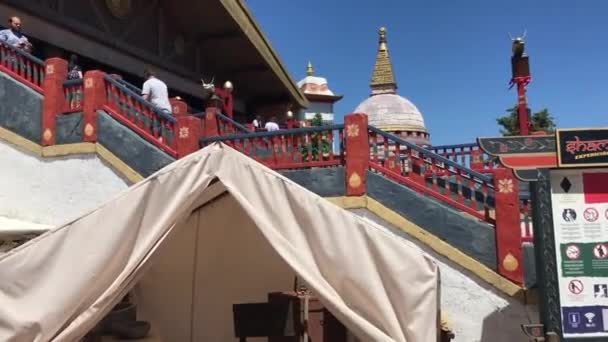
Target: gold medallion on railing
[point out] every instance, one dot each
(184, 133)
(47, 135)
(119, 8)
(505, 186)
(88, 130)
(352, 130)
(354, 180)
(510, 263)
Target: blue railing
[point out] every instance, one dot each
(465, 147)
(138, 98)
(129, 85)
(447, 163)
(290, 149)
(431, 174)
(23, 65)
(227, 126)
(132, 110)
(74, 95)
(262, 135)
(72, 83)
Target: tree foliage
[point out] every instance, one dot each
(541, 121)
(318, 142)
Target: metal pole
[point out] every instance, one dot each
(305, 334)
(524, 123)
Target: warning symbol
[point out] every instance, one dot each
(576, 286)
(600, 251)
(591, 214)
(573, 252)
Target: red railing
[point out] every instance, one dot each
(141, 116)
(431, 174)
(290, 149)
(74, 95)
(22, 66)
(227, 126)
(468, 155)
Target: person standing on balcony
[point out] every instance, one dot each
(75, 73)
(272, 125)
(155, 91)
(74, 70)
(13, 36)
(257, 122)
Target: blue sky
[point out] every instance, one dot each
(452, 58)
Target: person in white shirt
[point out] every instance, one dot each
(13, 36)
(155, 91)
(257, 122)
(272, 125)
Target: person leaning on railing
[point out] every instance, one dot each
(13, 36)
(155, 91)
(272, 125)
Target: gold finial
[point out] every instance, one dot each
(383, 77)
(309, 70)
(382, 33)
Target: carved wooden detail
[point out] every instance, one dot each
(133, 26)
(544, 242)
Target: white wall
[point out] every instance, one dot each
(53, 190)
(325, 109)
(476, 311)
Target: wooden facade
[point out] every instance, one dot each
(185, 40)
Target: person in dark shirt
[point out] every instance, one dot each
(74, 70)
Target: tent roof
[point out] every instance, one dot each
(381, 287)
(13, 228)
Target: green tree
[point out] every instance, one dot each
(541, 121)
(314, 146)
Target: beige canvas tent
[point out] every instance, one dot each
(210, 230)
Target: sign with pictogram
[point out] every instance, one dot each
(600, 251)
(576, 287)
(576, 237)
(573, 252)
(591, 214)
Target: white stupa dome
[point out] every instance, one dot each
(391, 112)
(386, 109)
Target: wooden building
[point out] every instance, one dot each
(185, 40)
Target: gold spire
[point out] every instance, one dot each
(383, 77)
(309, 70)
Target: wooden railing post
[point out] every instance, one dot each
(418, 173)
(94, 99)
(227, 99)
(477, 159)
(508, 225)
(56, 72)
(357, 153)
(211, 127)
(178, 106)
(188, 132)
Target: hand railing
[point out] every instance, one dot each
(130, 86)
(431, 174)
(73, 91)
(143, 117)
(290, 149)
(468, 155)
(22, 65)
(227, 126)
